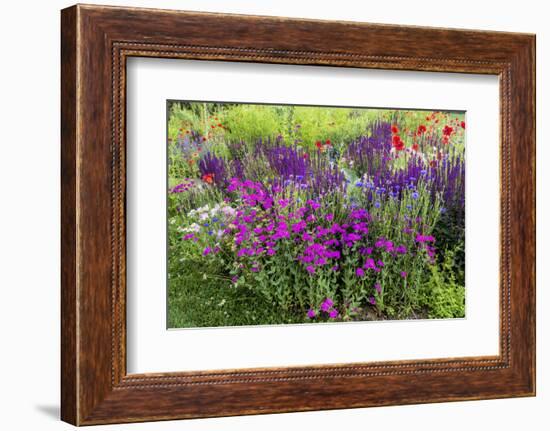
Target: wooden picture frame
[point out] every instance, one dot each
(95, 43)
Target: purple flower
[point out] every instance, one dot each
(377, 287)
(380, 243)
(329, 217)
(369, 263)
(359, 272)
(327, 304)
(234, 279)
(298, 227)
(333, 314)
(404, 274)
(401, 249)
(313, 204)
(310, 269)
(311, 313)
(189, 236)
(372, 300)
(425, 238)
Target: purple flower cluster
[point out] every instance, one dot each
(326, 309)
(182, 187)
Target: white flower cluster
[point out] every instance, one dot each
(207, 213)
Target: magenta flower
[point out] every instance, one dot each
(189, 236)
(283, 202)
(369, 263)
(372, 300)
(329, 217)
(333, 314)
(306, 237)
(359, 272)
(403, 274)
(378, 288)
(310, 269)
(311, 313)
(401, 249)
(327, 304)
(206, 251)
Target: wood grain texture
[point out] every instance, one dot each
(96, 41)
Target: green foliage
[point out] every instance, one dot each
(441, 295)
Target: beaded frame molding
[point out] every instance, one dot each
(95, 43)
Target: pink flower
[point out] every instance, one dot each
(403, 274)
(311, 313)
(333, 313)
(359, 272)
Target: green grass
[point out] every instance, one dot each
(213, 301)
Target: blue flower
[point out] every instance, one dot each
(210, 232)
(215, 219)
(206, 225)
(359, 184)
(423, 171)
(415, 195)
(377, 204)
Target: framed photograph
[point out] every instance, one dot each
(283, 215)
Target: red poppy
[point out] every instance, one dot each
(463, 124)
(220, 125)
(318, 144)
(398, 144)
(447, 130)
(421, 129)
(213, 126)
(328, 142)
(445, 140)
(394, 129)
(203, 139)
(208, 178)
(415, 147)
(305, 156)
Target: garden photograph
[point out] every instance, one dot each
(295, 214)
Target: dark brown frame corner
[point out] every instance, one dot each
(95, 43)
